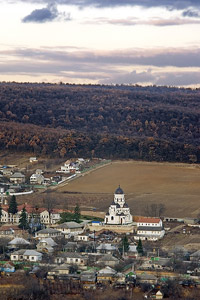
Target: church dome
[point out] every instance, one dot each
(125, 205)
(119, 191)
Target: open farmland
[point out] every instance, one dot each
(175, 185)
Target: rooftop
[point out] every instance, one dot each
(139, 219)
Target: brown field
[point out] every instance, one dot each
(175, 185)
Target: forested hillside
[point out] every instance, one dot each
(151, 123)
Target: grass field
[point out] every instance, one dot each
(175, 185)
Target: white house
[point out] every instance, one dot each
(149, 228)
(82, 237)
(71, 228)
(26, 255)
(69, 167)
(47, 217)
(119, 212)
(48, 232)
(36, 179)
(71, 258)
(33, 159)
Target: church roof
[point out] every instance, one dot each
(121, 214)
(115, 204)
(125, 205)
(119, 191)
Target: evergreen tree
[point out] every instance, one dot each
(0, 211)
(140, 248)
(124, 245)
(13, 206)
(77, 213)
(23, 221)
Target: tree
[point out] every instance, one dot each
(125, 244)
(13, 206)
(77, 213)
(23, 221)
(0, 211)
(140, 248)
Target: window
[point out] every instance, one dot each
(112, 218)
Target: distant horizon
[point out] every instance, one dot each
(102, 84)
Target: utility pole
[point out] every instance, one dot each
(94, 241)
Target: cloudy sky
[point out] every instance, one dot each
(101, 41)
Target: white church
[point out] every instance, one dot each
(119, 212)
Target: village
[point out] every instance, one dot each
(71, 254)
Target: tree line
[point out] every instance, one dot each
(112, 122)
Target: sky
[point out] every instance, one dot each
(146, 42)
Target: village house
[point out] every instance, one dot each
(33, 159)
(36, 179)
(46, 245)
(69, 167)
(71, 247)
(17, 178)
(58, 271)
(132, 251)
(147, 278)
(7, 172)
(149, 228)
(106, 248)
(48, 232)
(51, 217)
(88, 279)
(71, 228)
(71, 258)
(159, 295)
(81, 237)
(156, 263)
(26, 255)
(106, 275)
(7, 267)
(108, 260)
(18, 242)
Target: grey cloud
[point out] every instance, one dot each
(181, 78)
(178, 78)
(48, 14)
(129, 78)
(167, 57)
(153, 22)
(191, 13)
(170, 4)
(107, 67)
